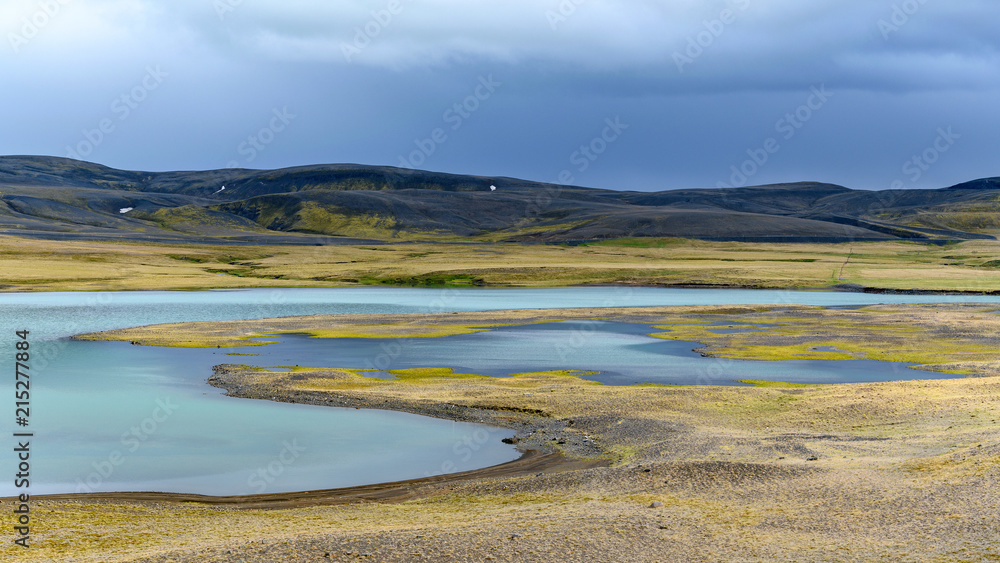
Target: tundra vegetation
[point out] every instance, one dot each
(767, 471)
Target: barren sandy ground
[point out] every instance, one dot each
(901, 471)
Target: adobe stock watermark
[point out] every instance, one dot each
(46, 351)
(901, 14)
(463, 449)
(586, 330)
(225, 7)
(714, 28)
(563, 11)
(589, 152)
(455, 116)
(122, 108)
(257, 142)
(132, 439)
(582, 158)
(716, 370)
(787, 126)
(266, 306)
(266, 475)
(920, 163)
(373, 28)
(31, 26)
(392, 351)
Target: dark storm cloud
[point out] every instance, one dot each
(701, 86)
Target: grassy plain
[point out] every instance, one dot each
(37, 265)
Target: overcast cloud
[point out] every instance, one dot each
(699, 93)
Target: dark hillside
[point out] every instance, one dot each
(325, 204)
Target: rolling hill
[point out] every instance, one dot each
(57, 198)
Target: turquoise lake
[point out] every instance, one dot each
(108, 416)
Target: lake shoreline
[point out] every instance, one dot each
(530, 462)
(537, 455)
(533, 428)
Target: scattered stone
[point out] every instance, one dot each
(812, 458)
(515, 536)
(646, 470)
(656, 504)
(539, 474)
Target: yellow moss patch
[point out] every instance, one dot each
(774, 384)
(414, 374)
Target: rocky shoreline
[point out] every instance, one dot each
(533, 430)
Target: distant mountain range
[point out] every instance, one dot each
(62, 199)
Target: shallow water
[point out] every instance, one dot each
(619, 353)
(108, 416)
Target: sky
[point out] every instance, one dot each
(632, 94)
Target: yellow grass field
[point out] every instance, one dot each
(35, 265)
